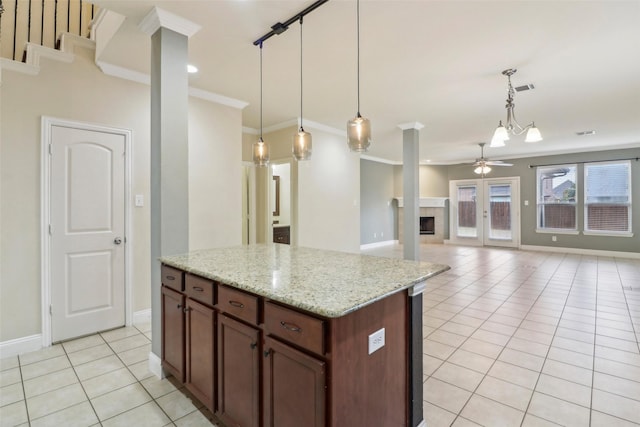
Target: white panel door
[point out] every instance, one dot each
(87, 231)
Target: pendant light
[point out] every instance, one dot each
(301, 140)
(260, 148)
(358, 128)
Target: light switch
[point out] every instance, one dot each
(526, 203)
(139, 200)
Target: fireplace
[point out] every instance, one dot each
(427, 225)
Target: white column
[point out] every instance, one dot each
(411, 189)
(169, 199)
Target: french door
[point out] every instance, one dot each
(485, 212)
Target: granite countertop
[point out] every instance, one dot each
(327, 283)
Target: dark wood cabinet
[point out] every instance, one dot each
(282, 234)
(173, 333)
(255, 362)
(294, 387)
(200, 352)
(238, 373)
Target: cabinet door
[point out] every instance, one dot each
(294, 387)
(200, 351)
(238, 373)
(173, 333)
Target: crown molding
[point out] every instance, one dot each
(157, 18)
(218, 99)
(411, 125)
(380, 160)
(250, 131)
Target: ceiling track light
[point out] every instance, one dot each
(358, 128)
(301, 148)
(260, 148)
(511, 126)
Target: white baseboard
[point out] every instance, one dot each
(423, 423)
(142, 316)
(579, 251)
(155, 365)
(378, 244)
(20, 346)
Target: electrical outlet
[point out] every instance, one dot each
(554, 239)
(382, 234)
(376, 340)
(375, 235)
(139, 200)
(526, 203)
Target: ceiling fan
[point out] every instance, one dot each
(483, 165)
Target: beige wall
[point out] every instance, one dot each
(80, 92)
(434, 181)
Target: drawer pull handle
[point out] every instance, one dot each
(290, 326)
(237, 304)
(198, 289)
(171, 278)
(266, 353)
(179, 306)
(254, 345)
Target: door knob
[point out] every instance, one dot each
(117, 240)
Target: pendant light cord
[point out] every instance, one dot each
(301, 128)
(358, 50)
(260, 91)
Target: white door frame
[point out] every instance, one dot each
(479, 240)
(45, 216)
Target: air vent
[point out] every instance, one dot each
(524, 87)
(586, 132)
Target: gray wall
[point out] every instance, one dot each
(377, 207)
(528, 192)
(434, 184)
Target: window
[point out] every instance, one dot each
(557, 197)
(607, 201)
(467, 211)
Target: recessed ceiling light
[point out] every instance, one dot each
(192, 69)
(586, 132)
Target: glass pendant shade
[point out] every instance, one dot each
(359, 134)
(482, 170)
(260, 153)
(533, 134)
(302, 145)
(496, 142)
(501, 133)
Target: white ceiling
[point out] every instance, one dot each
(434, 62)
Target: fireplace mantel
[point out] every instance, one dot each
(426, 202)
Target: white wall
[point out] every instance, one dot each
(80, 92)
(329, 195)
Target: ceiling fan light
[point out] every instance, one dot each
(533, 134)
(302, 145)
(359, 134)
(260, 153)
(482, 170)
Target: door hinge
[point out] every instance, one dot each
(50, 149)
(50, 230)
(50, 310)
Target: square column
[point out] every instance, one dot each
(411, 189)
(169, 198)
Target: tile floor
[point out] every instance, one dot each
(97, 380)
(516, 338)
(512, 338)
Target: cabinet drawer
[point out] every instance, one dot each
(172, 278)
(297, 328)
(239, 304)
(199, 289)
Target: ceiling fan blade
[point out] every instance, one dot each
(499, 164)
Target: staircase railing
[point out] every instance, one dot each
(41, 22)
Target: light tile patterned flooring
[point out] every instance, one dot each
(517, 338)
(101, 379)
(512, 338)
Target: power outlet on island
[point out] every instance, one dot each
(376, 340)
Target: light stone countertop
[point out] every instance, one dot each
(327, 283)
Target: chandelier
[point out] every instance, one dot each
(511, 126)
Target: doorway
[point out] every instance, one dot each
(85, 214)
(486, 212)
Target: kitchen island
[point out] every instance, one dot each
(274, 335)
